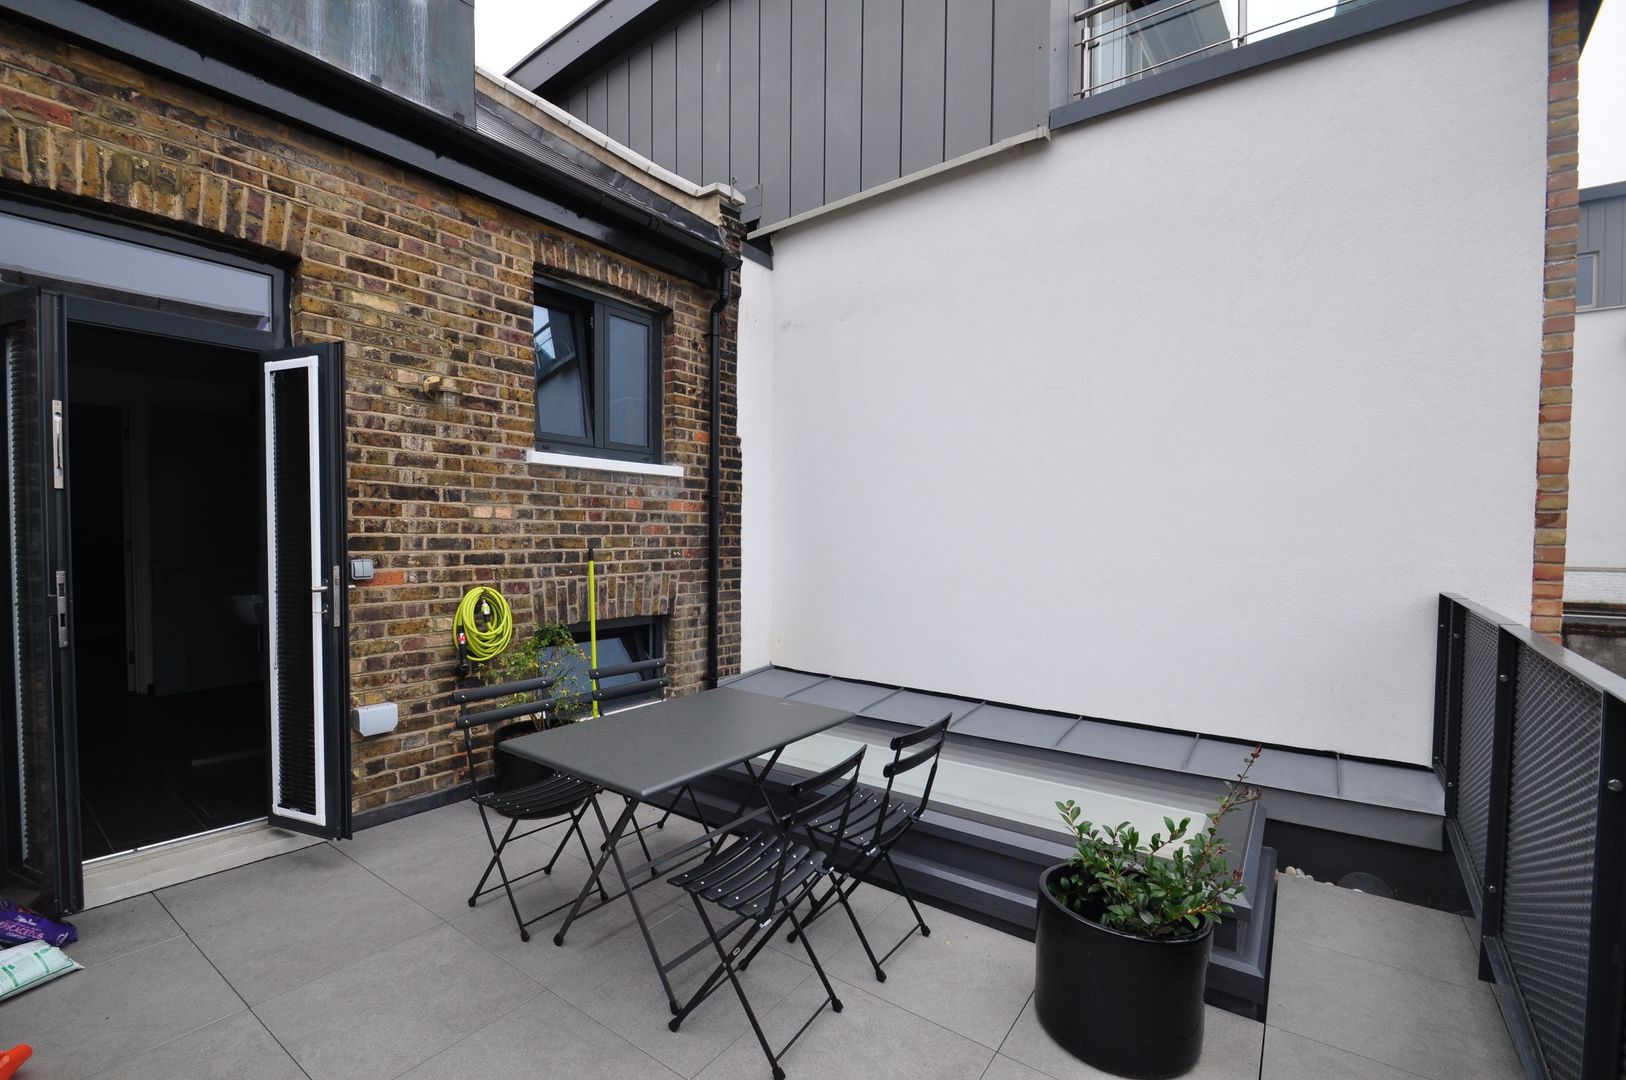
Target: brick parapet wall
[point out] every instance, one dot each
(1558, 316)
(418, 280)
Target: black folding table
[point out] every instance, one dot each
(654, 749)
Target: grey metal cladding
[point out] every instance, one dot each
(1603, 230)
(806, 105)
(744, 87)
(690, 91)
(617, 125)
(815, 100)
(883, 92)
(968, 77)
(714, 98)
(640, 101)
(921, 129)
(773, 117)
(663, 107)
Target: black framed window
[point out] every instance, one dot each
(620, 641)
(598, 375)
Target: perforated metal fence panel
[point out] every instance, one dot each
(1552, 834)
(1474, 736)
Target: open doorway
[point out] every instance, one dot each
(164, 510)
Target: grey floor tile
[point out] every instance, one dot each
(1471, 925)
(111, 931)
(833, 930)
(1293, 1057)
(1405, 936)
(438, 857)
(869, 1037)
(395, 1009)
(614, 982)
(966, 977)
(283, 922)
(238, 1047)
(1231, 1048)
(546, 1036)
(86, 1022)
(1412, 1022)
(1004, 1068)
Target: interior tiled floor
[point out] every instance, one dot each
(362, 960)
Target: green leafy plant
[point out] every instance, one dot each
(1173, 886)
(550, 650)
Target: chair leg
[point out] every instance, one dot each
(502, 873)
(575, 823)
(496, 851)
(829, 991)
(739, 991)
(863, 939)
(587, 852)
(925, 931)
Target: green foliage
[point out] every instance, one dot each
(1140, 890)
(549, 651)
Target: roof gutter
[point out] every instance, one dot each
(340, 106)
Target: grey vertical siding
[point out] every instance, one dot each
(925, 22)
(814, 100)
(690, 98)
(663, 106)
(883, 91)
(843, 96)
(1603, 230)
(806, 105)
(714, 108)
(773, 118)
(617, 124)
(641, 102)
(744, 90)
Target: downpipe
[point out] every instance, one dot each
(714, 509)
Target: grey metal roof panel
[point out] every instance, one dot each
(916, 709)
(1391, 785)
(1014, 725)
(776, 682)
(841, 694)
(1309, 773)
(1139, 746)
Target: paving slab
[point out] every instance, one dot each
(869, 1037)
(1294, 1057)
(113, 930)
(239, 1047)
(397, 1008)
(1406, 936)
(1231, 1049)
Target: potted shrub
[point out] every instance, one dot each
(549, 651)
(1123, 939)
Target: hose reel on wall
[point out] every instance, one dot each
(482, 627)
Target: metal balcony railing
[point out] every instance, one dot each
(1124, 40)
(1530, 743)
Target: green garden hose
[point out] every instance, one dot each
(483, 626)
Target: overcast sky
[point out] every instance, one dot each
(505, 30)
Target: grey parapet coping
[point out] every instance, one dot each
(776, 682)
(1223, 759)
(916, 709)
(1136, 745)
(1029, 727)
(843, 694)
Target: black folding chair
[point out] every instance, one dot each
(759, 878)
(654, 681)
(863, 841)
(556, 797)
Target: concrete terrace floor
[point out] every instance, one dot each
(362, 960)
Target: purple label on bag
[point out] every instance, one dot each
(19, 926)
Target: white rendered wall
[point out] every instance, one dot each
(1597, 513)
(1187, 417)
(757, 456)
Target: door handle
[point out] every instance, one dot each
(333, 607)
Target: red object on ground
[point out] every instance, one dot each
(11, 1060)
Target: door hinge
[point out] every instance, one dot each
(58, 473)
(62, 609)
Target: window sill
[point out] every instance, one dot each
(602, 464)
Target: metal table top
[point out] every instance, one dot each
(644, 751)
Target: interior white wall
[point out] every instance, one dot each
(1187, 417)
(756, 408)
(1597, 515)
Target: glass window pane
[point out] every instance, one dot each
(561, 389)
(628, 382)
(1586, 273)
(68, 255)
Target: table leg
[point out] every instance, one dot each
(611, 837)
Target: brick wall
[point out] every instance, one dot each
(416, 279)
(1558, 316)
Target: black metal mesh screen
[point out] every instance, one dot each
(1552, 829)
(1474, 742)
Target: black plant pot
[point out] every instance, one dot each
(1125, 1004)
